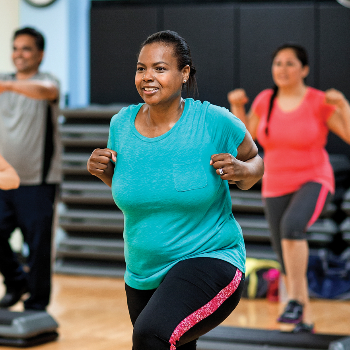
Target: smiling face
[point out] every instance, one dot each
(287, 69)
(25, 55)
(158, 79)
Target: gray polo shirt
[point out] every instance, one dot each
(29, 138)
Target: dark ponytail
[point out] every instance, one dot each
(301, 54)
(272, 99)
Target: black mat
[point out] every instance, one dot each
(218, 337)
(28, 342)
(26, 328)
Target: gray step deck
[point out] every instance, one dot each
(227, 338)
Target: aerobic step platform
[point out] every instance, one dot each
(234, 338)
(27, 328)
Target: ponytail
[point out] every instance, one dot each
(191, 83)
(272, 99)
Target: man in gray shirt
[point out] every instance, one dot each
(29, 141)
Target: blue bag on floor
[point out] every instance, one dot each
(329, 275)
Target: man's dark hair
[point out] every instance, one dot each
(39, 38)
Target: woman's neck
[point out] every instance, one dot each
(295, 91)
(156, 120)
(164, 114)
(291, 98)
(23, 75)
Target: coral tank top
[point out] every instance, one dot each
(294, 150)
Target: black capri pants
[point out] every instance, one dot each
(196, 295)
(291, 215)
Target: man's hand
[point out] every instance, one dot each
(3, 86)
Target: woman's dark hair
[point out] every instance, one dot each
(39, 38)
(182, 53)
(301, 54)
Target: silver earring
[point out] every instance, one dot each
(185, 81)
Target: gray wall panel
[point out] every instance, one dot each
(334, 39)
(116, 35)
(334, 58)
(209, 30)
(262, 29)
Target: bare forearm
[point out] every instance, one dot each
(344, 111)
(254, 172)
(339, 122)
(239, 111)
(40, 90)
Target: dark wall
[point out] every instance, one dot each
(231, 44)
(211, 33)
(334, 59)
(116, 34)
(265, 27)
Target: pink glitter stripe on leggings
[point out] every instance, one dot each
(205, 310)
(319, 205)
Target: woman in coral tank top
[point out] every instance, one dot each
(291, 122)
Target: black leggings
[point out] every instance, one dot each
(196, 296)
(291, 215)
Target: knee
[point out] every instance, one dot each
(146, 337)
(292, 229)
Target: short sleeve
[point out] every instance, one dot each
(110, 142)
(226, 130)
(113, 126)
(44, 76)
(52, 79)
(261, 102)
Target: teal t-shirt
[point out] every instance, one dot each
(175, 205)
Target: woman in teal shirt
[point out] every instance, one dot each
(169, 162)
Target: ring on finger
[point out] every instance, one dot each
(221, 171)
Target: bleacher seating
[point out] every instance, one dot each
(92, 225)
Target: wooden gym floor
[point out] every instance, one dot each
(92, 314)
